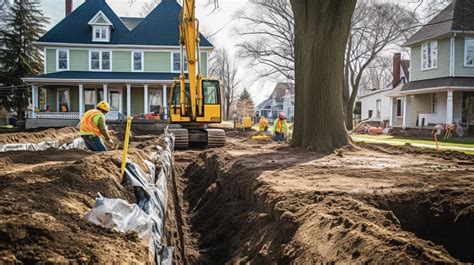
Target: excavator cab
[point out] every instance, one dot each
(211, 107)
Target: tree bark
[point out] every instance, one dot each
(321, 32)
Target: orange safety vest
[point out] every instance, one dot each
(87, 125)
(279, 127)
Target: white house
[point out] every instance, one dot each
(375, 105)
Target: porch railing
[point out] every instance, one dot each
(58, 115)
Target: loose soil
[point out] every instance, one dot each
(248, 202)
(44, 197)
(269, 203)
(64, 135)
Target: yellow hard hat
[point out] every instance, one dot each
(103, 105)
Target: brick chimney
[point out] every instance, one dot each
(68, 7)
(397, 60)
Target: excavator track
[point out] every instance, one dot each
(215, 138)
(181, 138)
(210, 138)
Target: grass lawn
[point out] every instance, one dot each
(464, 142)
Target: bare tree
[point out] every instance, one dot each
(268, 34)
(224, 68)
(148, 7)
(378, 75)
(375, 26)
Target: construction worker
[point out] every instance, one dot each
(93, 127)
(280, 128)
(263, 124)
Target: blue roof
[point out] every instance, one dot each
(160, 27)
(108, 76)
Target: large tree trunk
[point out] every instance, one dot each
(321, 31)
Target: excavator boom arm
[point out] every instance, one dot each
(189, 41)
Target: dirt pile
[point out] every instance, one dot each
(43, 198)
(64, 135)
(268, 203)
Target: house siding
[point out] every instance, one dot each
(443, 62)
(138, 97)
(121, 61)
(78, 60)
(74, 98)
(157, 61)
(204, 63)
(460, 69)
(50, 61)
(51, 98)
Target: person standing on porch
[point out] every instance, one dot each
(93, 127)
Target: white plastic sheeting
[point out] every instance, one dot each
(77, 143)
(151, 192)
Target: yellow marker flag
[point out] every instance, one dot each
(125, 145)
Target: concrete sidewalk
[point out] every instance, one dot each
(433, 146)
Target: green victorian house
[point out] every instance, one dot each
(94, 55)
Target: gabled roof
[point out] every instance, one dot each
(159, 28)
(457, 17)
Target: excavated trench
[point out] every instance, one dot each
(219, 213)
(433, 216)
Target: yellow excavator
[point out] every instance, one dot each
(195, 101)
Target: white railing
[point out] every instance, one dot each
(431, 118)
(58, 115)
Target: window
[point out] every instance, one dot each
(114, 100)
(100, 33)
(429, 55)
(137, 61)
(210, 90)
(155, 100)
(378, 107)
(469, 52)
(63, 100)
(434, 103)
(100, 60)
(176, 62)
(62, 59)
(90, 99)
(399, 107)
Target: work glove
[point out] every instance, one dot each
(111, 142)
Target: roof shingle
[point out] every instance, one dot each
(458, 16)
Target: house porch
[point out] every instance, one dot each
(427, 108)
(57, 105)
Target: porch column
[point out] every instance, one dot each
(34, 99)
(393, 112)
(104, 87)
(165, 101)
(406, 111)
(81, 100)
(129, 101)
(145, 103)
(449, 107)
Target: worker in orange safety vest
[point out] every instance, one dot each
(93, 127)
(280, 128)
(263, 124)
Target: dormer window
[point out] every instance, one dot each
(101, 33)
(101, 27)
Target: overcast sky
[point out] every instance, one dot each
(219, 21)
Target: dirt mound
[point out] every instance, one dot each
(272, 204)
(64, 135)
(43, 199)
